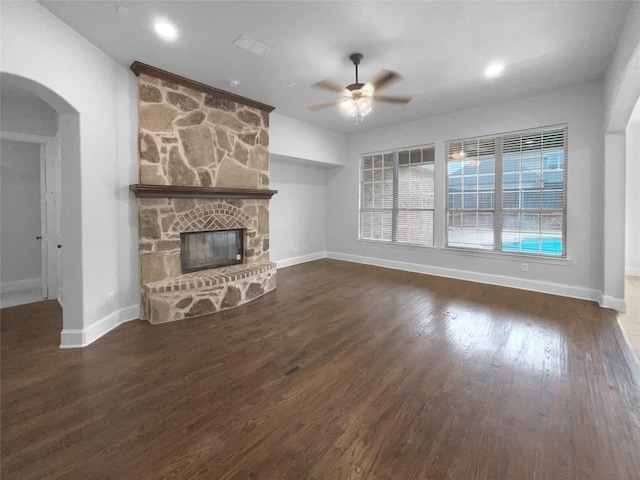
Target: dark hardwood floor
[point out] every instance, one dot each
(346, 371)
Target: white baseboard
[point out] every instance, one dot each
(21, 297)
(617, 304)
(78, 338)
(288, 262)
(499, 280)
(17, 285)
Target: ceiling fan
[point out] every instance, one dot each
(356, 99)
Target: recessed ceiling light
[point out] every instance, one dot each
(165, 30)
(292, 84)
(494, 70)
(233, 83)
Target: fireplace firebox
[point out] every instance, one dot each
(211, 249)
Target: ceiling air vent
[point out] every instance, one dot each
(247, 43)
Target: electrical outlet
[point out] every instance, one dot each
(112, 297)
(525, 267)
(375, 249)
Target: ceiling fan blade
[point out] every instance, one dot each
(384, 79)
(391, 99)
(329, 85)
(320, 106)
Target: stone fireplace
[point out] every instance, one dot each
(203, 167)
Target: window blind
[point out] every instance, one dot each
(508, 192)
(377, 197)
(397, 196)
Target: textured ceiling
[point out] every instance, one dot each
(440, 48)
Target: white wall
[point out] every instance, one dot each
(580, 107)
(292, 139)
(622, 81)
(301, 157)
(20, 222)
(28, 114)
(297, 219)
(100, 236)
(632, 217)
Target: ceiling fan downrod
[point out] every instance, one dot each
(356, 58)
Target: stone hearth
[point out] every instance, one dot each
(207, 291)
(203, 158)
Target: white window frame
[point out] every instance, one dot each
(393, 207)
(486, 148)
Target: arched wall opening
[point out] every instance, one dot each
(632, 214)
(625, 92)
(70, 274)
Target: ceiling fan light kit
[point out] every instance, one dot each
(357, 98)
(356, 108)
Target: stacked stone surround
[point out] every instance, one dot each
(192, 138)
(195, 139)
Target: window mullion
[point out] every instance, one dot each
(394, 211)
(565, 169)
(497, 202)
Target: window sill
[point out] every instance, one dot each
(413, 246)
(519, 257)
(515, 257)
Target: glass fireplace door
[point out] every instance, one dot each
(203, 250)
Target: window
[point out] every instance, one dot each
(396, 196)
(508, 192)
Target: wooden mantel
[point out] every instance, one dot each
(139, 67)
(176, 191)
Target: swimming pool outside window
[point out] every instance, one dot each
(507, 192)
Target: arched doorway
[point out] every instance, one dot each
(62, 156)
(29, 229)
(623, 90)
